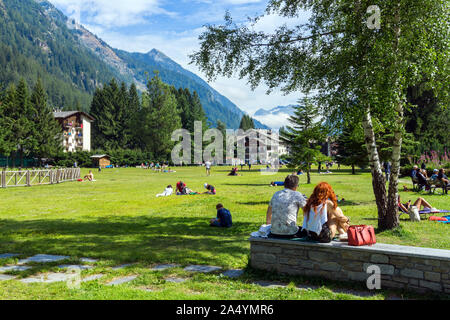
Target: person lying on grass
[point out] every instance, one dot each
(223, 218)
(283, 209)
(277, 183)
(210, 188)
(167, 192)
(420, 202)
(322, 218)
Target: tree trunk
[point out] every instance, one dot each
(391, 220)
(308, 175)
(353, 169)
(378, 180)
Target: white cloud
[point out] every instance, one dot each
(111, 13)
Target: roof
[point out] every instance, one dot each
(99, 156)
(66, 114)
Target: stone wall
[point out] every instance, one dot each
(402, 267)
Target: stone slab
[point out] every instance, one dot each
(381, 248)
(5, 277)
(75, 266)
(8, 255)
(161, 267)
(235, 273)
(121, 280)
(49, 278)
(203, 269)
(88, 260)
(13, 268)
(175, 280)
(43, 258)
(269, 284)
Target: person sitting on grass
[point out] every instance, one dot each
(233, 172)
(277, 183)
(167, 192)
(210, 188)
(223, 218)
(283, 210)
(420, 202)
(89, 176)
(321, 205)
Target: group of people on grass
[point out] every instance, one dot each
(182, 189)
(437, 178)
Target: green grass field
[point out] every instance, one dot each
(118, 219)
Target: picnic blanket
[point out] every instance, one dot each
(428, 211)
(445, 219)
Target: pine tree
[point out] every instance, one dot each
(246, 123)
(7, 144)
(304, 137)
(158, 118)
(20, 111)
(351, 147)
(133, 108)
(47, 131)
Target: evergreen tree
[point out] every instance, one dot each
(21, 113)
(304, 137)
(246, 123)
(158, 118)
(7, 140)
(133, 108)
(351, 147)
(47, 131)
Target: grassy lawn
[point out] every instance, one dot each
(118, 219)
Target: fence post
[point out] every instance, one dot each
(4, 178)
(28, 179)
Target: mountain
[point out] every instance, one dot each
(38, 40)
(216, 106)
(34, 42)
(276, 117)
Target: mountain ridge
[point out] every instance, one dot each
(136, 67)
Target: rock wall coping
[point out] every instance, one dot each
(401, 267)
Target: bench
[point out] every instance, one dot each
(402, 267)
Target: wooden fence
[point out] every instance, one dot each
(28, 178)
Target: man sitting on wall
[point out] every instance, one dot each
(283, 210)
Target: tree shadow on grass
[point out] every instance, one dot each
(148, 239)
(254, 203)
(248, 184)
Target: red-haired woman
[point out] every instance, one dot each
(321, 215)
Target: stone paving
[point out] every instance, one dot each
(203, 269)
(13, 268)
(75, 266)
(49, 278)
(43, 258)
(4, 277)
(59, 277)
(175, 280)
(161, 267)
(121, 280)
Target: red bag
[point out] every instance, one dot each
(361, 235)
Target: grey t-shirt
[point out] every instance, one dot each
(285, 206)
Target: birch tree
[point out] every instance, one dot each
(348, 51)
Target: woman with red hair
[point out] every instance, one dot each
(319, 213)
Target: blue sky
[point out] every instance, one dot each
(173, 27)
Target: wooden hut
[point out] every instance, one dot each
(101, 160)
